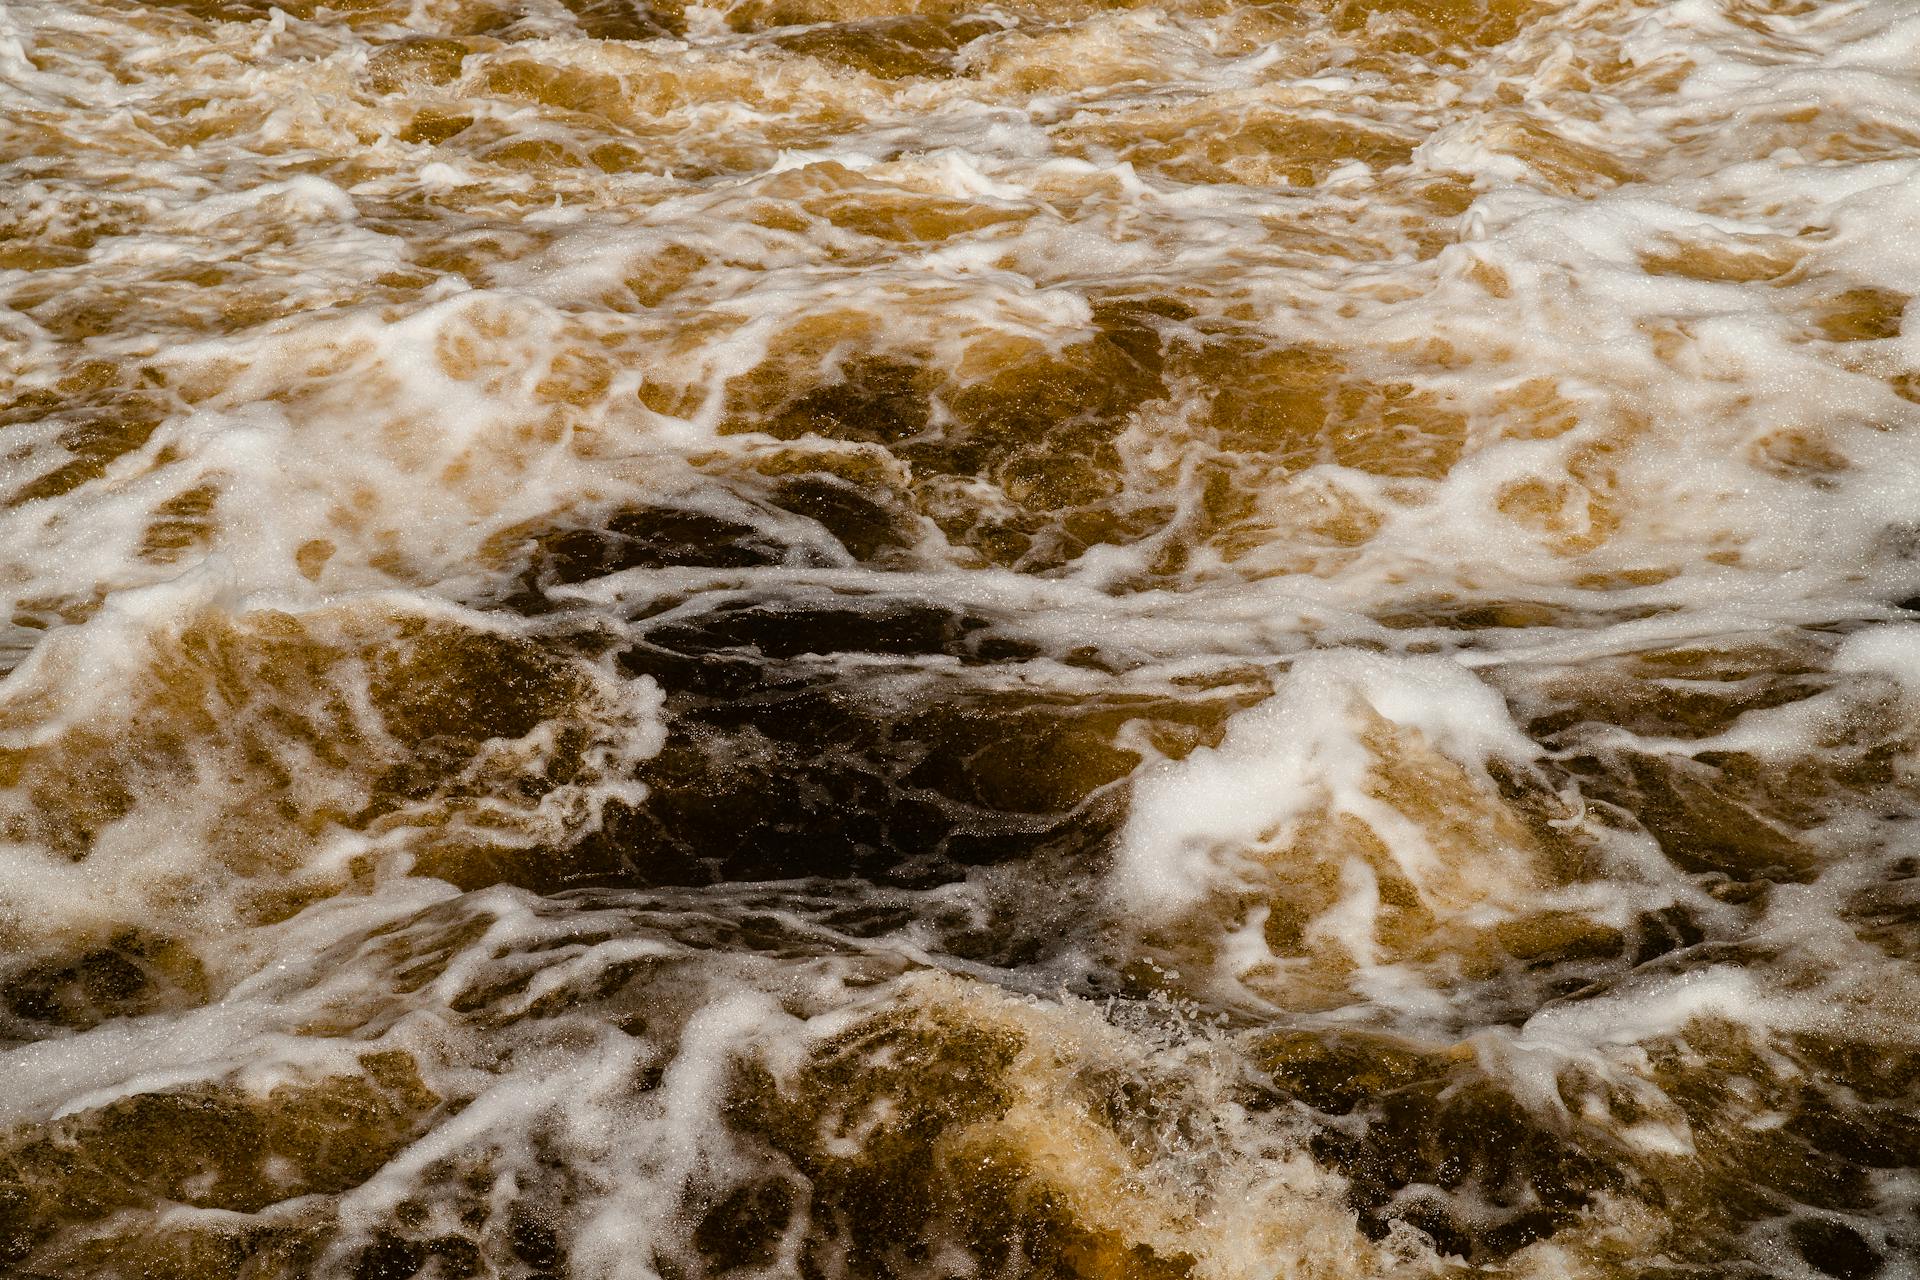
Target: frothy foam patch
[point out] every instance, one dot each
(1357, 829)
(175, 765)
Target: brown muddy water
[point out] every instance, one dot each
(1183, 640)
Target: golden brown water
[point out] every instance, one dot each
(886, 638)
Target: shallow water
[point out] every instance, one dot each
(886, 638)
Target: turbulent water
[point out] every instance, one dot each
(1223, 639)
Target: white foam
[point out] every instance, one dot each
(1192, 819)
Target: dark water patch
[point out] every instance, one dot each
(1039, 422)
(128, 975)
(1886, 912)
(822, 781)
(841, 624)
(640, 537)
(852, 736)
(950, 1171)
(893, 48)
(96, 412)
(1835, 1249)
(1698, 819)
(212, 1146)
(628, 19)
(869, 522)
(1431, 1143)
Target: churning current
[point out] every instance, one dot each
(959, 639)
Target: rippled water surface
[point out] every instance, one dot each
(918, 638)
